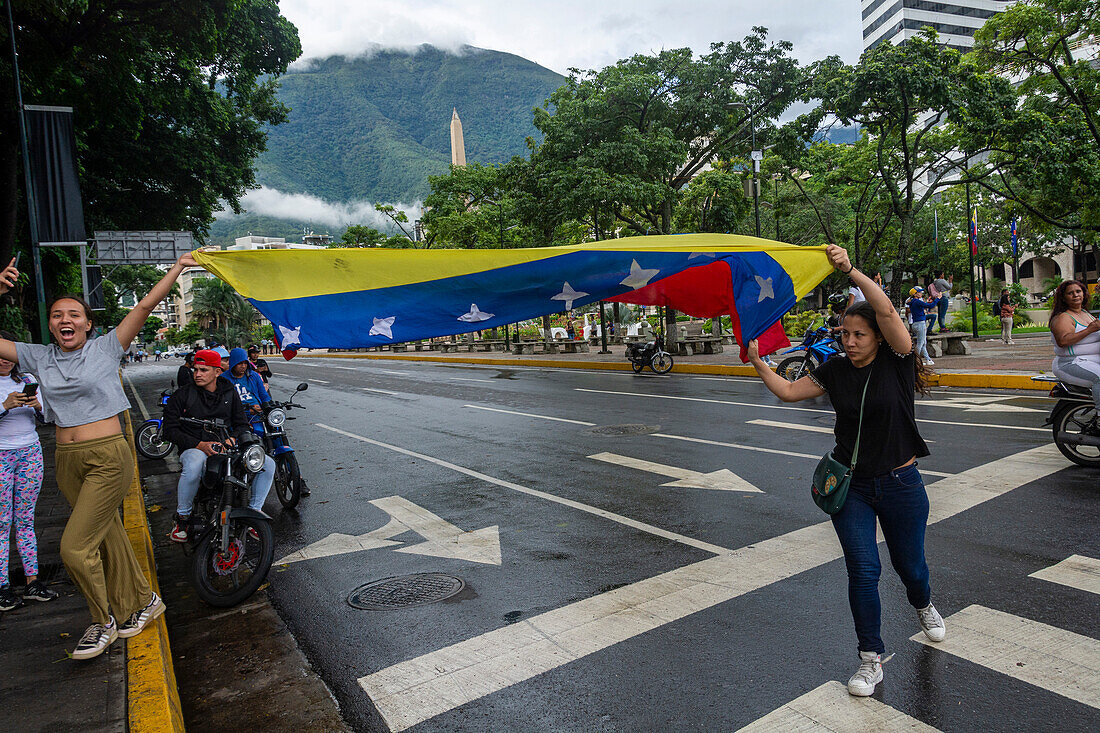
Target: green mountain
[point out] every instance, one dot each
(376, 127)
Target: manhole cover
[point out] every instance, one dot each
(405, 591)
(625, 429)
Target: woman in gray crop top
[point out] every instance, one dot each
(78, 375)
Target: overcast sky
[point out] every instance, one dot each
(559, 34)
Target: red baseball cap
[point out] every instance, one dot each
(208, 357)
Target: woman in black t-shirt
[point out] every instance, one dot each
(885, 482)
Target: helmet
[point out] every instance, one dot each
(838, 299)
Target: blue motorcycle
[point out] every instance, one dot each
(289, 485)
(818, 346)
(150, 442)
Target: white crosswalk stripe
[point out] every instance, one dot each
(1076, 571)
(1054, 659)
(831, 708)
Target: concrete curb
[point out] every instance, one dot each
(151, 695)
(976, 380)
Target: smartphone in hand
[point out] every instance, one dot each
(30, 390)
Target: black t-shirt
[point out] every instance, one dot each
(890, 436)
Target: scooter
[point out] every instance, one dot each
(651, 353)
(1074, 421)
(289, 485)
(817, 347)
(148, 439)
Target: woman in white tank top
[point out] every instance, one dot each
(1076, 336)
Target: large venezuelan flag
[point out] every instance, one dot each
(349, 298)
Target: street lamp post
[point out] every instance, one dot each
(971, 243)
(756, 155)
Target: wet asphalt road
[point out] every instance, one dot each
(418, 431)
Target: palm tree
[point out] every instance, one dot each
(219, 306)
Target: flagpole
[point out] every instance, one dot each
(971, 241)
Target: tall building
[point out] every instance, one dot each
(458, 146)
(898, 20)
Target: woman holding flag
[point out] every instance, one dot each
(872, 387)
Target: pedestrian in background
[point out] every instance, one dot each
(873, 385)
(1006, 310)
(21, 469)
(94, 463)
(943, 287)
(918, 307)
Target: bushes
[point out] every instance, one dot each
(795, 324)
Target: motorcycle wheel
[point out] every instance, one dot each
(637, 366)
(1075, 418)
(661, 362)
(148, 441)
(794, 368)
(288, 481)
(225, 578)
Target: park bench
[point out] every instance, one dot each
(952, 344)
(694, 341)
(489, 345)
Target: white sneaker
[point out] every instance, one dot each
(137, 621)
(929, 362)
(869, 674)
(96, 640)
(770, 363)
(932, 623)
(1011, 343)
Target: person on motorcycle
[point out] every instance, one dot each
(1076, 336)
(209, 398)
(260, 365)
(186, 372)
(249, 385)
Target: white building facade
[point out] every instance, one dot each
(897, 20)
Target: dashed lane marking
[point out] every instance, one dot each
(1076, 571)
(1054, 659)
(467, 379)
(380, 391)
(627, 521)
(528, 414)
(800, 409)
(831, 709)
(799, 426)
(419, 689)
(318, 381)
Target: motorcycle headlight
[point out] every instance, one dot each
(253, 458)
(276, 417)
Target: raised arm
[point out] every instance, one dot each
(135, 320)
(8, 278)
(803, 389)
(889, 322)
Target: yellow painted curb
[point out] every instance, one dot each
(948, 379)
(151, 695)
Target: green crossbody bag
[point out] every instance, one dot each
(831, 477)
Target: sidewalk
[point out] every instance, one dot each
(991, 364)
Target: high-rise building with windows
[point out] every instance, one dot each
(897, 20)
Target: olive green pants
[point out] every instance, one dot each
(94, 475)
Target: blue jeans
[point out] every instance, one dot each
(942, 306)
(900, 503)
(193, 461)
(920, 345)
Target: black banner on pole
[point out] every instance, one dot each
(52, 146)
(95, 288)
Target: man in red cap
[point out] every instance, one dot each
(209, 398)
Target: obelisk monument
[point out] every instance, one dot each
(458, 146)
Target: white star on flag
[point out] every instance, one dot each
(568, 294)
(766, 290)
(475, 315)
(382, 326)
(290, 336)
(638, 277)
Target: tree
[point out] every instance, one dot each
(714, 201)
(622, 143)
(149, 331)
(1047, 156)
(185, 336)
(171, 99)
(920, 103)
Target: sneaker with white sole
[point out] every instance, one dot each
(8, 600)
(96, 640)
(869, 674)
(138, 620)
(37, 591)
(932, 623)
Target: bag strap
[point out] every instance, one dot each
(855, 451)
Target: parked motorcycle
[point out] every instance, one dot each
(1074, 422)
(818, 346)
(149, 440)
(233, 545)
(289, 484)
(651, 353)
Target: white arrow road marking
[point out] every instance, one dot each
(977, 404)
(419, 689)
(341, 544)
(801, 409)
(830, 709)
(443, 538)
(720, 480)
